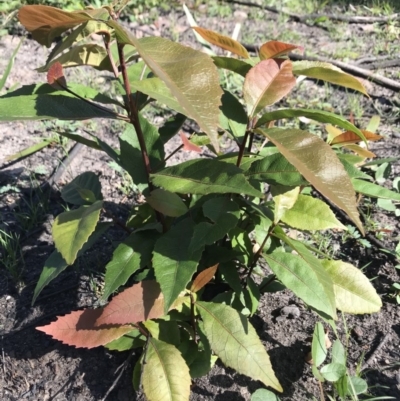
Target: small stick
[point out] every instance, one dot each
(376, 351)
(122, 367)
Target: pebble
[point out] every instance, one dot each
(358, 333)
(290, 311)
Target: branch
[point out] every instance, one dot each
(303, 18)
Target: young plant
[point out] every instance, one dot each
(209, 227)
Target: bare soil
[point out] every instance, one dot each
(35, 367)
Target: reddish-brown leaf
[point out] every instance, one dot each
(267, 83)
(274, 49)
(222, 41)
(55, 76)
(189, 146)
(203, 278)
(349, 137)
(78, 329)
(140, 302)
(46, 23)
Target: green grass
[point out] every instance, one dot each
(11, 256)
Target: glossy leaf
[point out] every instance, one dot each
(303, 278)
(224, 214)
(318, 348)
(284, 202)
(222, 41)
(350, 137)
(174, 266)
(158, 90)
(133, 339)
(83, 189)
(310, 213)
(78, 329)
(316, 115)
(313, 264)
(202, 177)
(329, 73)
(46, 23)
(235, 341)
(165, 375)
(164, 330)
(354, 293)
(132, 254)
(203, 278)
(233, 117)
(55, 263)
(72, 229)
(267, 83)
(88, 54)
(142, 301)
(318, 163)
(232, 64)
(275, 49)
(374, 190)
(167, 203)
(190, 75)
(275, 169)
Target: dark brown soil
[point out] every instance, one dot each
(35, 367)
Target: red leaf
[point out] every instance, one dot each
(142, 301)
(55, 76)
(189, 146)
(273, 49)
(78, 329)
(267, 83)
(350, 137)
(203, 278)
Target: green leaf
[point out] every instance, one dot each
(374, 190)
(333, 371)
(224, 214)
(171, 127)
(158, 90)
(318, 347)
(83, 189)
(10, 64)
(175, 265)
(317, 115)
(351, 169)
(233, 117)
(72, 229)
(165, 374)
(204, 176)
(309, 213)
(359, 385)
(267, 83)
(133, 339)
(251, 296)
(354, 293)
(167, 203)
(167, 331)
(329, 73)
(29, 150)
(318, 163)
(264, 395)
(48, 107)
(55, 263)
(275, 169)
(342, 386)
(338, 353)
(190, 75)
(284, 201)
(301, 277)
(232, 64)
(235, 341)
(131, 156)
(131, 255)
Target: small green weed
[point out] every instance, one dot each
(11, 256)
